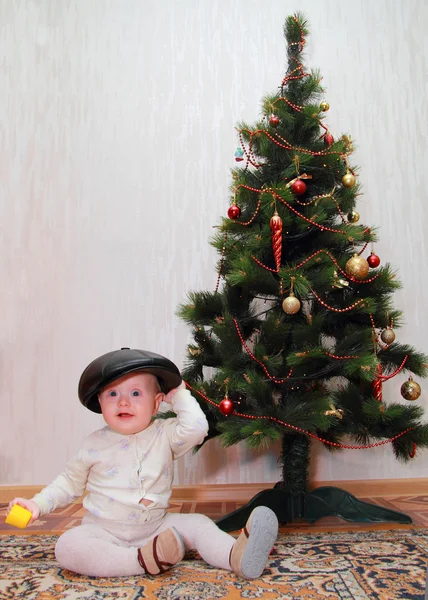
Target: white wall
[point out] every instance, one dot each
(117, 138)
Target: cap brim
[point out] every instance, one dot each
(114, 365)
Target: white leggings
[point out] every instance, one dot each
(103, 549)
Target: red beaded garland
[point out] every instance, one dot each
(397, 370)
(337, 310)
(264, 266)
(315, 199)
(220, 269)
(251, 355)
(296, 107)
(234, 212)
(296, 212)
(344, 357)
(288, 146)
(251, 159)
(308, 433)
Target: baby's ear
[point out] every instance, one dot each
(158, 399)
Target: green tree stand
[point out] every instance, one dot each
(321, 502)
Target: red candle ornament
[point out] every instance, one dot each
(377, 384)
(276, 228)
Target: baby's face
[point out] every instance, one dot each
(129, 403)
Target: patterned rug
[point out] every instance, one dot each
(384, 565)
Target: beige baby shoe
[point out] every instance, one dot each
(251, 550)
(162, 552)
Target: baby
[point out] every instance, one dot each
(126, 468)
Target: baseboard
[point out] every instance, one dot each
(242, 492)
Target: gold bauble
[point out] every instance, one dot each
(324, 106)
(410, 390)
(353, 216)
(348, 180)
(387, 336)
(291, 304)
(357, 266)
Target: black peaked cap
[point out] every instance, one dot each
(111, 366)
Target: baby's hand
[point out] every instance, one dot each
(169, 396)
(28, 504)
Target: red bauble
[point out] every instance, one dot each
(298, 187)
(273, 121)
(373, 260)
(234, 212)
(328, 139)
(226, 407)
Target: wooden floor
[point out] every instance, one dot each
(60, 520)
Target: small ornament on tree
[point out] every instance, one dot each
(194, 351)
(412, 454)
(338, 282)
(387, 336)
(346, 139)
(298, 187)
(353, 216)
(324, 106)
(348, 180)
(226, 406)
(334, 412)
(274, 120)
(239, 155)
(373, 260)
(291, 304)
(234, 212)
(276, 228)
(377, 383)
(410, 390)
(328, 139)
(357, 267)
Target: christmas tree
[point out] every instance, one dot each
(300, 328)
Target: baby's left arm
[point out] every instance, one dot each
(170, 395)
(190, 427)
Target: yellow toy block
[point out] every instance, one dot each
(18, 516)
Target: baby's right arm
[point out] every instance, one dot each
(28, 504)
(65, 488)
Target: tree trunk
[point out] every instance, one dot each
(295, 458)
